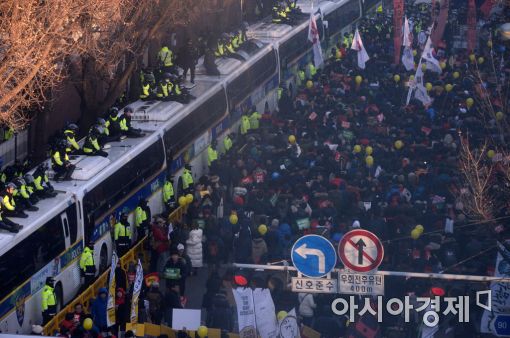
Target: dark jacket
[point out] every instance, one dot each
(98, 309)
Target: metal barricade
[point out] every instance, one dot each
(132, 256)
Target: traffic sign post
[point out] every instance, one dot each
(360, 251)
(313, 256)
(502, 325)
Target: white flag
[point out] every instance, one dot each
(357, 45)
(313, 37)
(420, 92)
(110, 304)
(432, 62)
(407, 55)
(137, 288)
(245, 312)
(265, 316)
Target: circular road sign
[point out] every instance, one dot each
(313, 255)
(360, 251)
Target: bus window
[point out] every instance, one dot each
(73, 223)
(253, 77)
(123, 182)
(32, 254)
(343, 16)
(196, 123)
(293, 48)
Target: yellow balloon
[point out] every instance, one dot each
(182, 201)
(489, 43)
(469, 102)
(481, 60)
(399, 144)
(428, 86)
(491, 153)
(415, 52)
(262, 229)
(202, 331)
(411, 78)
(420, 228)
(358, 79)
(292, 139)
(472, 57)
(500, 115)
(281, 315)
(87, 324)
(233, 219)
(456, 75)
(448, 87)
(338, 54)
(357, 148)
(442, 64)
(369, 150)
(396, 78)
(309, 84)
(369, 160)
(423, 66)
(415, 233)
(189, 198)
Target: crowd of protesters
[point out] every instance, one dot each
(343, 151)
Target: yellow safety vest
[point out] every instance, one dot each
(87, 258)
(254, 120)
(227, 143)
(165, 56)
(187, 179)
(91, 142)
(212, 155)
(245, 124)
(168, 191)
(140, 216)
(48, 298)
(122, 230)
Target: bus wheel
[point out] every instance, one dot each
(60, 297)
(103, 259)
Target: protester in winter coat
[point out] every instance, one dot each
(98, 308)
(171, 301)
(194, 247)
(121, 310)
(306, 308)
(258, 250)
(220, 314)
(155, 299)
(242, 245)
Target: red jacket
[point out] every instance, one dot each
(161, 243)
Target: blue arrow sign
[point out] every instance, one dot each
(314, 256)
(502, 325)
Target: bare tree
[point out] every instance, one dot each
(101, 39)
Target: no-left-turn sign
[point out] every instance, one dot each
(360, 250)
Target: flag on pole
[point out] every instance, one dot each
(407, 56)
(398, 13)
(137, 288)
(357, 45)
(313, 37)
(110, 305)
(471, 26)
(432, 62)
(420, 92)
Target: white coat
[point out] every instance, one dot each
(306, 304)
(194, 248)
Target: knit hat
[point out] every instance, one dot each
(356, 224)
(180, 247)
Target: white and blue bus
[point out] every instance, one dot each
(85, 209)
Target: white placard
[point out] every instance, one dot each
(185, 318)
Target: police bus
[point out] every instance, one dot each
(87, 207)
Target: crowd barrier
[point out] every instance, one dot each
(152, 330)
(132, 256)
